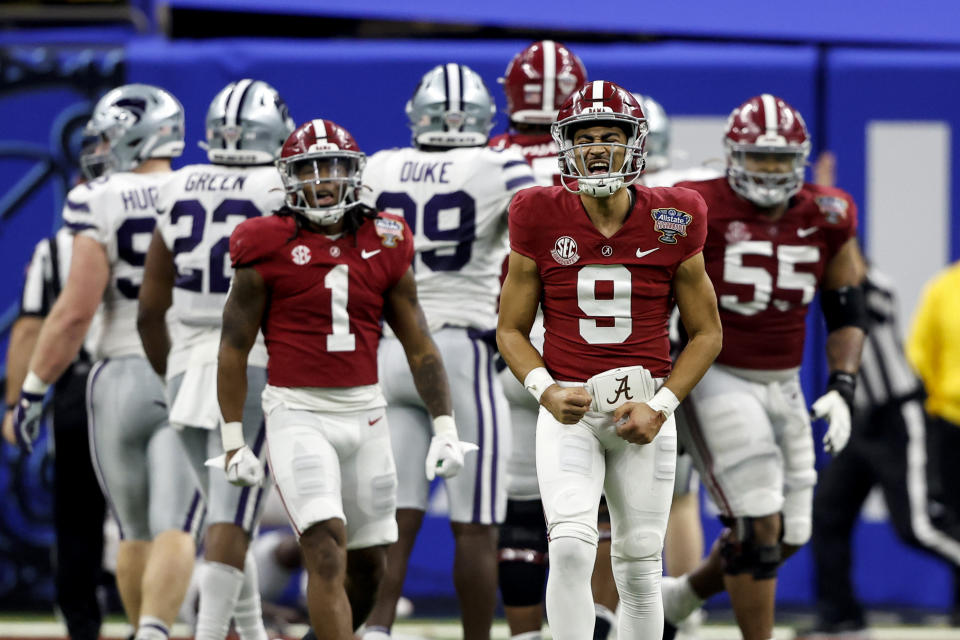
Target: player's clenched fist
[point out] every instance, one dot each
(567, 404)
(638, 422)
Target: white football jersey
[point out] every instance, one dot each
(670, 177)
(120, 212)
(199, 207)
(455, 202)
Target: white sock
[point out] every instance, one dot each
(526, 635)
(150, 628)
(376, 633)
(247, 614)
(219, 589)
(679, 599)
(641, 608)
(569, 599)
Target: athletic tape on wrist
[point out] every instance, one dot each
(538, 381)
(664, 401)
(33, 384)
(231, 434)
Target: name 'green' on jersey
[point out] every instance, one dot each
(199, 208)
(118, 211)
(455, 201)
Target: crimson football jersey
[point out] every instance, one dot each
(325, 297)
(606, 301)
(766, 273)
(539, 150)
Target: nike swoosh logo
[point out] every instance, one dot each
(803, 233)
(374, 421)
(640, 253)
(368, 254)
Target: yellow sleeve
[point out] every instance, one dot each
(923, 342)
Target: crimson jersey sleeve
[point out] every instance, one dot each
(838, 216)
(252, 242)
(523, 228)
(395, 234)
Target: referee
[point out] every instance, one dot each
(79, 506)
(888, 446)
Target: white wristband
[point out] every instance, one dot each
(33, 384)
(445, 426)
(664, 401)
(538, 381)
(231, 434)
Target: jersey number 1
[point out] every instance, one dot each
(337, 280)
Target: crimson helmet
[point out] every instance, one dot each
(766, 124)
(600, 103)
(321, 166)
(539, 79)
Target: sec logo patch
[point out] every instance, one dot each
(565, 250)
(300, 254)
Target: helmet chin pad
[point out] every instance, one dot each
(600, 187)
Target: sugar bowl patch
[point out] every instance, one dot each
(670, 223)
(833, 208)
(389, 230)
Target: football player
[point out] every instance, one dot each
(536, 82)
(135, 130)
(187, 267)
(606, 282)
(773, 242)
(453, 192)
(317, 277)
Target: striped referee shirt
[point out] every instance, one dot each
(885, 374)
(45, 279)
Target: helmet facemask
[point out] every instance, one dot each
(322, 185)
(600, 168)
(758, 184)
(96, 159)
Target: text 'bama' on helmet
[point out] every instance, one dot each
(321, 167)
(129, 125)
(767, 147)
(451, 107)
(247, 124)
(539, 79)
(600, 169)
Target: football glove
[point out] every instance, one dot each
(445, 455)
(26, 419)
(243, 469)
(834, 406)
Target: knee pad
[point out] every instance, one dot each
(524, 527)
(742, 554)
(572, 558)
(522, 554)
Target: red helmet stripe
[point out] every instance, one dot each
(549, 74)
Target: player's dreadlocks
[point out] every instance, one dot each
(353, 218)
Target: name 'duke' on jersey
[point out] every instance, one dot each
(424, 172)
